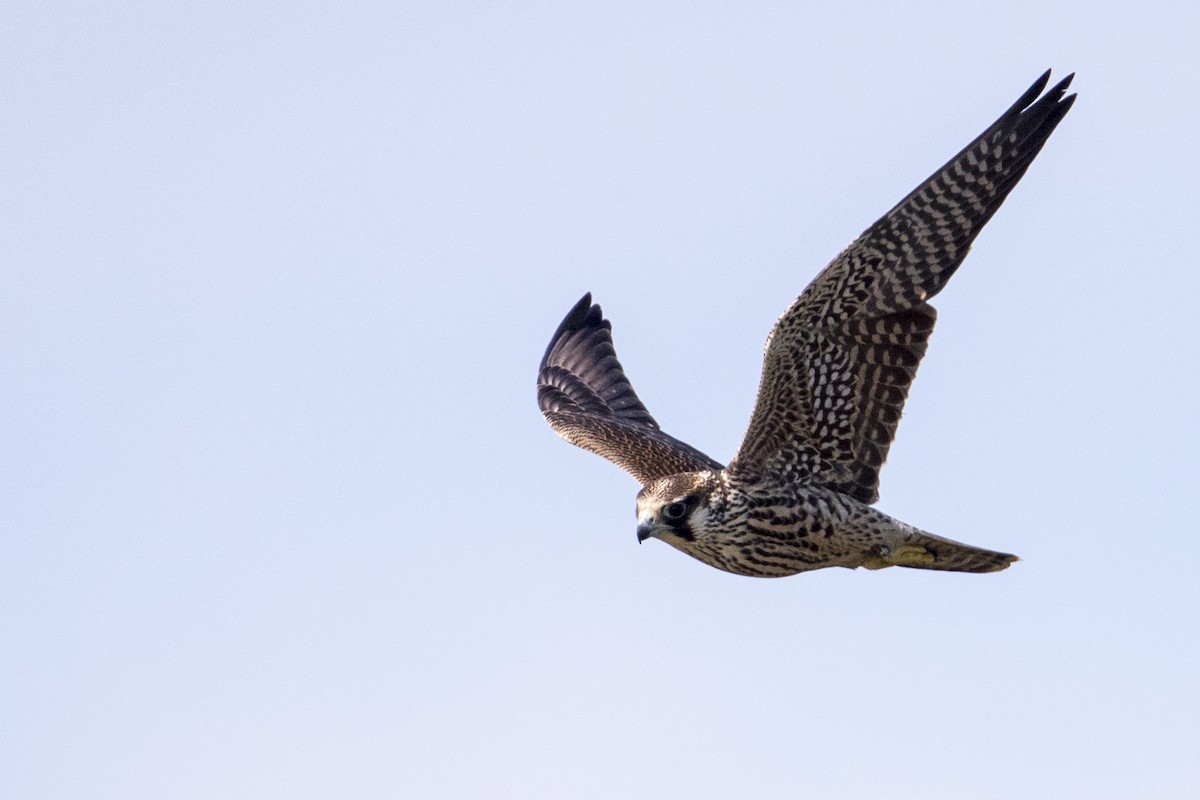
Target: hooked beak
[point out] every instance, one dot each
(647, 529)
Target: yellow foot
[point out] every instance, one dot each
(906, 555)
(912, 555)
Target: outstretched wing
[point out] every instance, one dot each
(840, 360)
(586, 398)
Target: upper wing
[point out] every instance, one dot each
(840, 360)
(586, 398)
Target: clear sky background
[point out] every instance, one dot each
(279, 516)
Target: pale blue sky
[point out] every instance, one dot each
(279, 516)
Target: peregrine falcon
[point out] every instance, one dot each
(836, 371)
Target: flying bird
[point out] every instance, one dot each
(837, 367)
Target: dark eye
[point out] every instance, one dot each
(676, 511)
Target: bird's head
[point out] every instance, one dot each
(676, 508)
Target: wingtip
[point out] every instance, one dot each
(1033, 92)
(584, 314)
(1059, 89)
(1056, 91)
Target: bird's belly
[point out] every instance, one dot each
(783, 548)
